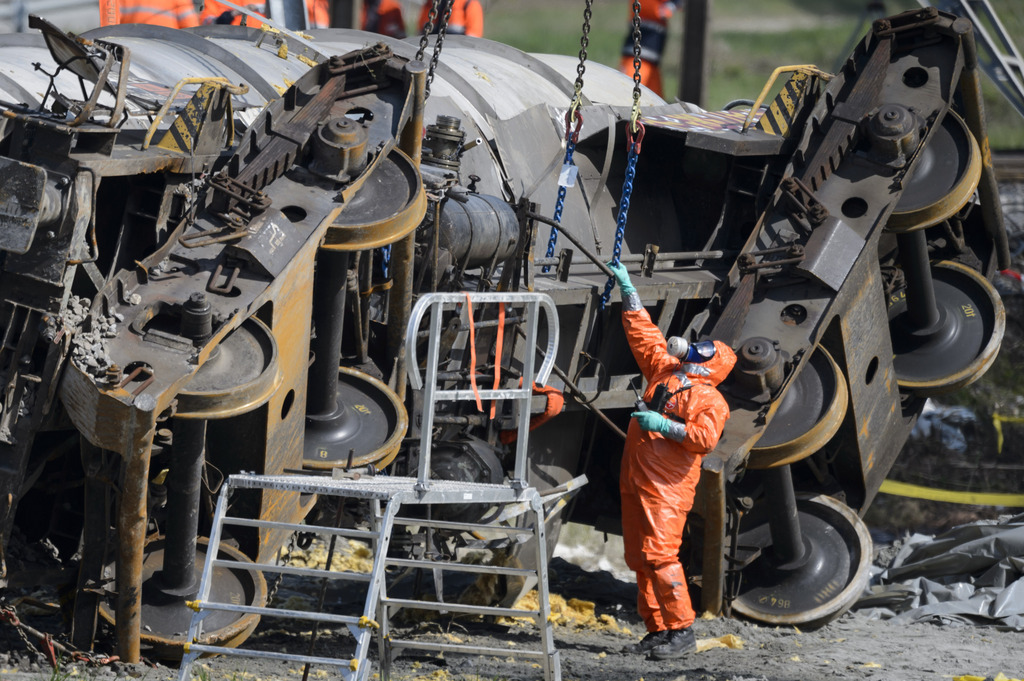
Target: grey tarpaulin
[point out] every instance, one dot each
(971, 574)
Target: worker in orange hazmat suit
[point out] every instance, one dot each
(680, 421)
(654, 18)
(384, 17)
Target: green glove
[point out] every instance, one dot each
(622, 278)
(652, 420)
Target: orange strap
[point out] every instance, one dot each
(497, 355)
(110, 13)
(472, 354)
(552, 409)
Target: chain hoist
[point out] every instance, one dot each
(634, 136)
(573, 117)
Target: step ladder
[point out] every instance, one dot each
(522, 516)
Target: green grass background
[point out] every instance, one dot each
(747, 41)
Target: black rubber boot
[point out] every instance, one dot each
(652, 639)
(678, 643)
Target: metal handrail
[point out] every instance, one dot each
(425, 302)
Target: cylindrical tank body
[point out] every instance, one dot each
(478, 229)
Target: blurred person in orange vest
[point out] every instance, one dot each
(318, 13)
(680, 421)
(169, 13)
(654, 18)
(218, 13)
(467, 17)
(384, 17)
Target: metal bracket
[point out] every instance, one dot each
(650, 258)
(747, 261)
(798, 201)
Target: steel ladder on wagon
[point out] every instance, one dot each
(522, 515)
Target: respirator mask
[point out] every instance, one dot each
(691, 353)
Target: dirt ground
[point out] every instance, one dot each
(594, 611)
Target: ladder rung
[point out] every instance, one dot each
(267, 655)
(297, 527)
(289, 570)
(460, 607)
(279, 612)
(472, 650)
(459, 567)
(511, 394)
(467, 527)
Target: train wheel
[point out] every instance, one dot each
(820, 586)
(809, 415)
(165, 618)
(240, 375)
(369, 421)
(383, 210)
(963, 342)
(945, 177)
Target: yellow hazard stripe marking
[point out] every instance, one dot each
(904, 489)
(777, 119)
(182, 133)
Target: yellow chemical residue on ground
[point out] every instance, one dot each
(436, 675)
(970, 677)
(349, 556)
(295, 602)
(728, 641)
(574, 613)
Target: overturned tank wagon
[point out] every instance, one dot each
(211, 241)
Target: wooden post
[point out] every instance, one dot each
(692, 70)
(344, 13)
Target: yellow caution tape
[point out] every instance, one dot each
(997, 423)
(904, 489)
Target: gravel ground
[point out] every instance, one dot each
(595, 620)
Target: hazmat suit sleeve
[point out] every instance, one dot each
(705, 419)
(645, 339)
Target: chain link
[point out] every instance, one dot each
(439, 43)
(581, 68)
(634, 136)
(427, 29)
(620, 225)
(572, 116)
(636, 67)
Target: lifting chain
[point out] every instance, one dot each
(428, 28)
(634, 136)
(567, 178)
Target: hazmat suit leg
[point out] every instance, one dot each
(647, 602)
(657, 495)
